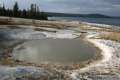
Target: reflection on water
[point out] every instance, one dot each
(54, 50)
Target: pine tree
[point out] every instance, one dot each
(24, 13)
(0, 10)
(15, 10)
(3, 10)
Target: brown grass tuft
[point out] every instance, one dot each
(115, 36)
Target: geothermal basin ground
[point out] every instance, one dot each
(52, 50)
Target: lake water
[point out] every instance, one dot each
(63, 51)
(109, 21)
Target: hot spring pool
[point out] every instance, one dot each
(61, 51)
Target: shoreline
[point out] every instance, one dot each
(108, 65)
(104, 52)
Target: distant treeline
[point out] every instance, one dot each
(32, 13)
(52, 14)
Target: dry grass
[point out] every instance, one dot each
(36, 23)
(115, 36)
(96, 29)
